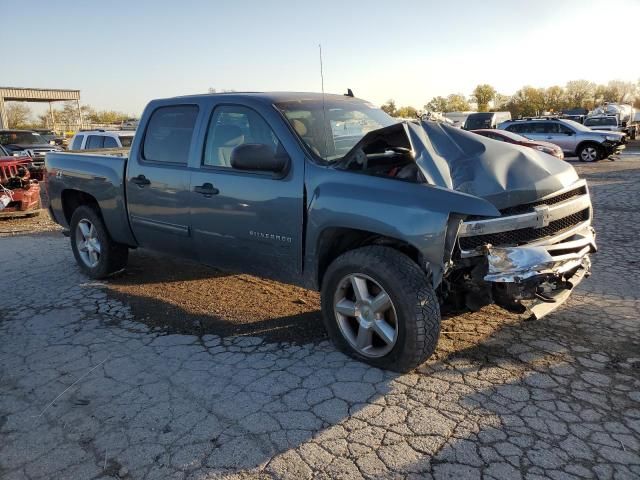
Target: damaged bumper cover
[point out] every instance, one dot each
(540, 278)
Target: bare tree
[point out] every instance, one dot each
(18, 115)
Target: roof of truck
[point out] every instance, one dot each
(276, 97)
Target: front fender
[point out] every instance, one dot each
(414, 213)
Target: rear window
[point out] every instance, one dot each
(110, 142)
(77, 142)
(603, 121)
(168, 134)
(476, 121)
(94, 141)
(126, 141)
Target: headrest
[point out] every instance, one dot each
(299, 126)
(227, 134)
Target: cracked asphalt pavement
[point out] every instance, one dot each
(91, 386)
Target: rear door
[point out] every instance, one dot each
(158, 180)
(241, 220)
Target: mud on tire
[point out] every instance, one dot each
(414, 302)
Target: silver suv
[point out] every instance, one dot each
(574, 139)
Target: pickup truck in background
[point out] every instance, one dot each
(388, 219)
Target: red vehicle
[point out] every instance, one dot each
(19, 193)
(510, 137)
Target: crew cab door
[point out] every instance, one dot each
(158, 180)
(242, 220)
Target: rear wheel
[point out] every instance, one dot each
(379, 307)
(589, 153)
(96, 253)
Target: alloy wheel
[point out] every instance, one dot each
(366, 316)
(589, 154)
(88, 243)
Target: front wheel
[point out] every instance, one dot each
(96, 253)
(379, 307)
(589, 153)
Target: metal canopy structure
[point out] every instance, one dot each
(42, 95)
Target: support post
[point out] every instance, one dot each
(4, 120)
(80, 119)
(53, 118)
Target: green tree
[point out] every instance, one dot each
(389, 107)
(500, 102)
(456, 102)
(526, 102)
(406, 112)
(554, 99)
(580, 93)
(437, 104)
(18, 115)
(483, 94)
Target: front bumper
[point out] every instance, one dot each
(612, 148)
(540, 278)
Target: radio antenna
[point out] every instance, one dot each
(324, 109)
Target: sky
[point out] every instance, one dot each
(121, 54)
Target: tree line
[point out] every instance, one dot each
(528, 100)
(20, 115)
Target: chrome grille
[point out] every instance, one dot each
(522, 236)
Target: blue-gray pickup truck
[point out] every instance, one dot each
(389, 220)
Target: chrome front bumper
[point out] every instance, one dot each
(541, 273)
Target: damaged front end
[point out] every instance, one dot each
(532, 256)
(534, 253)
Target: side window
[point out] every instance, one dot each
(110, 142)
(169, 132)
(551, 127)
(517, 128)
(94, 141)
(563, 129)
(537, 127)
(233, 125)
(77, 142)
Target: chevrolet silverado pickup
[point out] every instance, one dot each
(388, 220)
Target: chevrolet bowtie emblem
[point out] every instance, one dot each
(542, 216)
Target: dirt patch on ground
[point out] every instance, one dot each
(26, 225)
(183, 297)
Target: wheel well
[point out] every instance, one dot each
(588, 142)
(72, 199)
(336, 241)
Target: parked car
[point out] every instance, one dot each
(510, 137)
(50, 136)
(19, 193)
(614, 117)
(27, 142)
(97, 139)
(573, 138)
(480, 120)
(387, 223)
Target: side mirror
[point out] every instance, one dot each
(258, 157)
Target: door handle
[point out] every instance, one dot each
(141, 180)
(206, 189)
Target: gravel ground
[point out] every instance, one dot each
(174, 370)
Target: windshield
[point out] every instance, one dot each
(126, 140)
(23, 138)
(478, 120)
(602, 121)
(574, 125)
(331, 133)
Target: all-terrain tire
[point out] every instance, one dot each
(113, 256)
(411, 293)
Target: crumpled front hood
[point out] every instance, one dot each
(502, 173)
